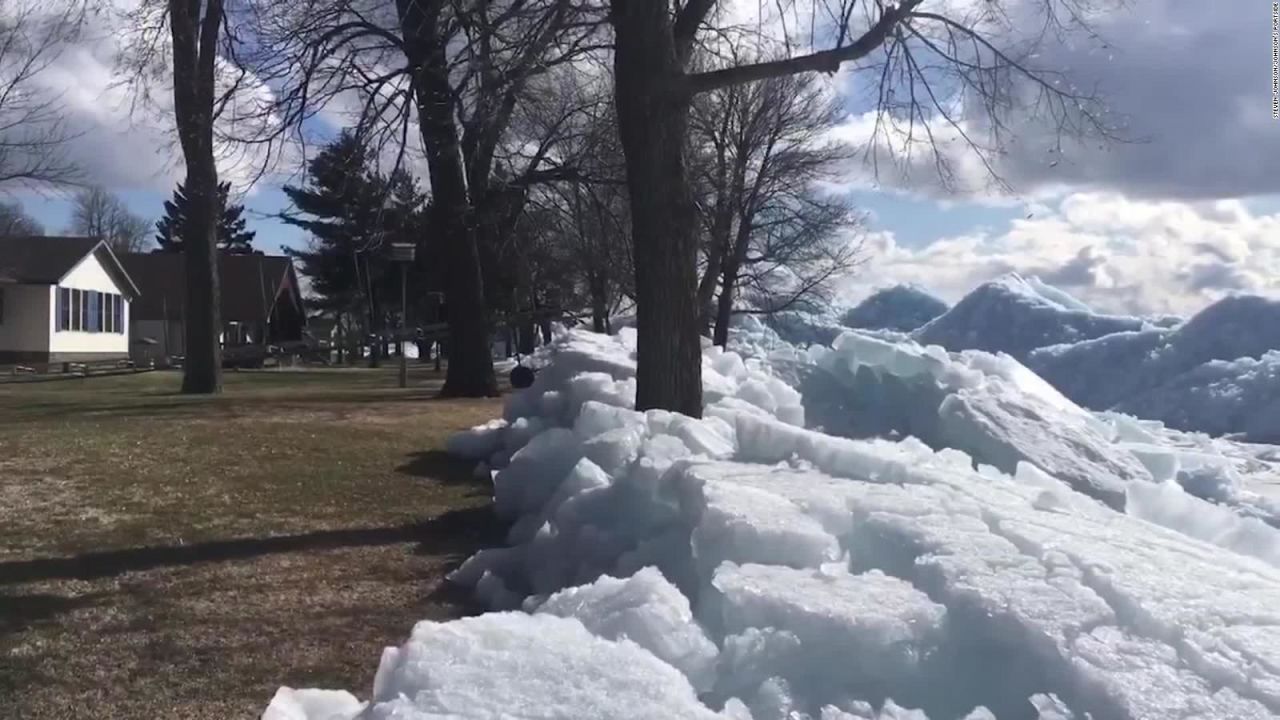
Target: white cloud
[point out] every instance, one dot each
(1187, 83)
(116, 140)
(1119, 254)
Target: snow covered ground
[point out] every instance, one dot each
(847, 532)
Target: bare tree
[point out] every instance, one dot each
(15, 222)
(574, 223)
(771, 230)
(457, 71)
(596, 225)
(177, 46)
(33, 131)
(927, 64)
(97, 213)
(799, 245)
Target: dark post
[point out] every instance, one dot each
(402, 253)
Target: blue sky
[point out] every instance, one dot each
(53, 211)
(917, 221)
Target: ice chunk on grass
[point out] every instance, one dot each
(479, 442)
(290, 704)
(535, 472)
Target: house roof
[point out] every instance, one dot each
(252, 285)
(35, 260)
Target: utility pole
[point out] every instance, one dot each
(403, 254)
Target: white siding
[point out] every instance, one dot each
(25, 325)
(88, 275)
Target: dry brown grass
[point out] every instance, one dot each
(176, 557)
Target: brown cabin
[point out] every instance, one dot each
(261, 302)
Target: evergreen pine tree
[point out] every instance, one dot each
(233, 233)
(352, 214)
(169, 226)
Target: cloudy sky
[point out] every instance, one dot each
(1187, 211)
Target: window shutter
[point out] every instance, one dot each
(118, 311)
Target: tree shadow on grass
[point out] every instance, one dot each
(455, 532)
(440, 466)
(19, 611)
(178, 406)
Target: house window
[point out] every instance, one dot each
(77, 309)
(90, 311)
(94, 316)
(64, 308)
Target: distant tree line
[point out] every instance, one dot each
(97, 212)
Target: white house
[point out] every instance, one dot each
(62, 299)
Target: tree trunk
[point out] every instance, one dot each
(336, 345)
(735, 257)
(652, 122)
(719, 247)
(194, 44)
(470, 372)
(545, 326)
(375, 344)
(202, 369)
(527, 341)
(599, 304)
(724, 309)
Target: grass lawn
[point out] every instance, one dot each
(181, 557)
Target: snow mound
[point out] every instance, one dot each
(805, 328)
(746, 566)
(1016, 315)
(1235, 327)
(1216, 373)
(1238, 397)
(990, 407)
(1100, 372)
(901, 307)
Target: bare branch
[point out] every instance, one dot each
(827, 61)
